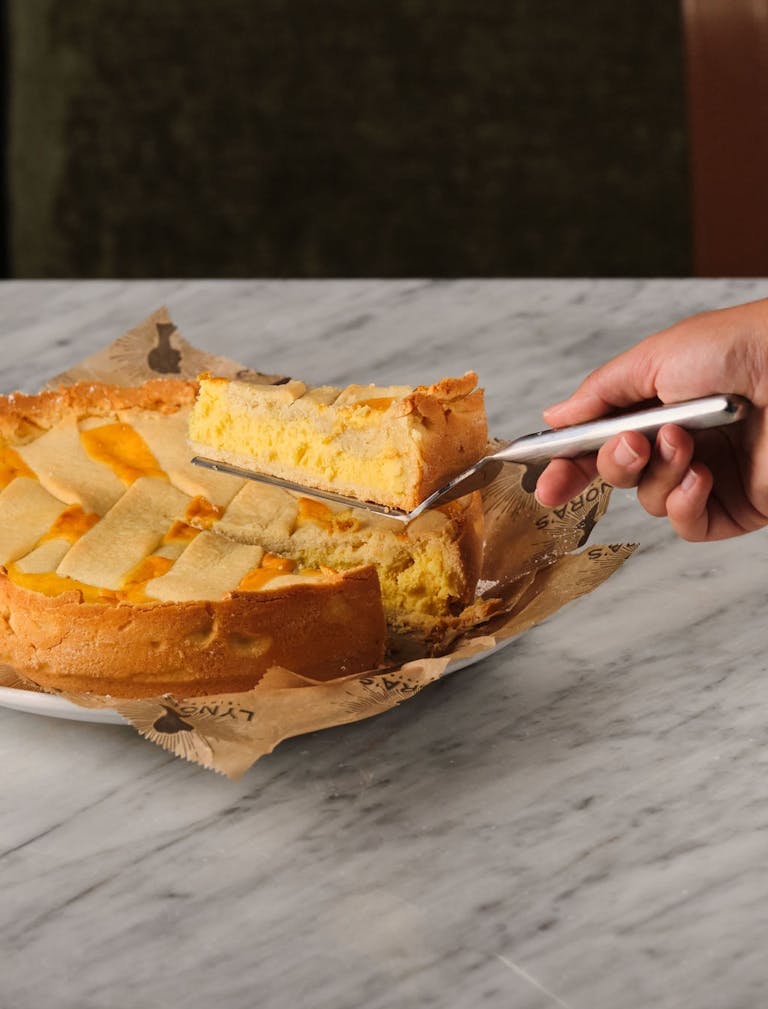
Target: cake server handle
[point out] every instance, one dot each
(582, 439)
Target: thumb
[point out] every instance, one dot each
(626, 380)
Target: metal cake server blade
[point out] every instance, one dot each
(540, 447)
(300, 488)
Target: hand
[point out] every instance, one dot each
(710, 485)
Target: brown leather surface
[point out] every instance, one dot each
(727, 77)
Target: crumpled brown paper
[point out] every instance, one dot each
(535, 561)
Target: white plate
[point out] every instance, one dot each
(55, 707)
(52, 706)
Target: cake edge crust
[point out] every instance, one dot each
(322, 630)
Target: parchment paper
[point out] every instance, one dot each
(535, 561)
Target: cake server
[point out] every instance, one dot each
(537, 448)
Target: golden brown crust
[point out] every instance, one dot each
(447, 393)
(22, 414)
(452, 442)
(321, 631)
(454, 432)
(469, 526)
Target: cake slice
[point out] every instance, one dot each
(392, 445)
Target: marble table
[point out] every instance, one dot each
(579, 821)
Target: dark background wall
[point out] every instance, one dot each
(4, 100)
(315, 138)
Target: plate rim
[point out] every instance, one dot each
(35, 702)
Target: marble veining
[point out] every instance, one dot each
(579, 821)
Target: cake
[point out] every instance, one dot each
(107, 587)
(393, 445)
(127, 571)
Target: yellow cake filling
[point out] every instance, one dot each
(421, 569)
(345, 445)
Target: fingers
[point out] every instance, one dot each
(563, 479)
(620, 461)
(675, 487)
(581, 406)
(669, 484)
(688, 506)
(671, 459)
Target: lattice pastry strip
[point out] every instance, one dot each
(27, 511)
(60, 462)
(130, 531)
